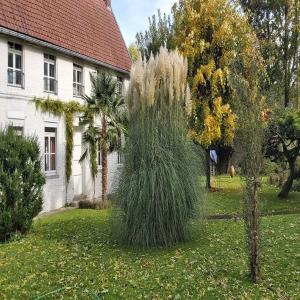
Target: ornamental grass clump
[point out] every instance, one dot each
(159, 189)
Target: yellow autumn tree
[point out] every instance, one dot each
(210, 34)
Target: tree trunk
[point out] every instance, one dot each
(284, 193)
(255, 271)
(104, 165)
(208, 182)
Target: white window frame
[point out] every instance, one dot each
(47, 155)
(78, 87)
(13, 69)
(47, 77)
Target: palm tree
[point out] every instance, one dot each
(90, 139)
(106, 104)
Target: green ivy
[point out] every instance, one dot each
(67, 110)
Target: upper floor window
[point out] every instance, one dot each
(119, 86)
(50, 83)
(78, 89)
(14, 71)
(50, 150)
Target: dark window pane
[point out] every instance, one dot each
(52, 85)
(51, 70)
(11, 45)
(10, 60)
(10, 76)
(79, 79)
(18, 77)
(52, 162)
(74, 75)
(52, 145)
(18, 61)
(46, 144)
(50, 129)
(18, 47)
(45, 69)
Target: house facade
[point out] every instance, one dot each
(49, 49)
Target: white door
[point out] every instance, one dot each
(77, 167)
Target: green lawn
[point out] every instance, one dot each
(73, 255)
(228, 198)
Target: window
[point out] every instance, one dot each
(17, 129)
(50, 83)
(50, 150)
(14, 71)
(120, 157)
(77, 81)
(119, 86)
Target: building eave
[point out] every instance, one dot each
(33, 40)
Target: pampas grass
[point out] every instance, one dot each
(159, 189)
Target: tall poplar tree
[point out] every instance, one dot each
(277, 26)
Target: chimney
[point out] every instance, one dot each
(108, 3)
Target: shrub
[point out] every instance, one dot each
(86, 204)
(159, 188)
(21, 183)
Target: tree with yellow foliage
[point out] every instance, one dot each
(210, 34)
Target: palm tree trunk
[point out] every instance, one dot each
(104, 165)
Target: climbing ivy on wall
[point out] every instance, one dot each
(67, 110)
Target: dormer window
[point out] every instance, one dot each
(15, 74)
(78, 89)
(50, 83)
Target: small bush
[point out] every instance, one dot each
(21, 183)
(86, 204)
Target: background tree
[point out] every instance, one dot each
(210, 33)
(159, 34)
(106, 104)
(276, 23)
(134, 52)
(283, 144)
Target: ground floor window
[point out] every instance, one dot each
(17, 129)
(50, 150)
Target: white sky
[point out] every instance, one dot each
(132, 15)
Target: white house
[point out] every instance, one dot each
(48, 49)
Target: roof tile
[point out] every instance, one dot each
(83, 26)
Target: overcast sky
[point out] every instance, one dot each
(132, 15)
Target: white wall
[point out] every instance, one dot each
(17, 107)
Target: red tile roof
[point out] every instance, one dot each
(86, 27)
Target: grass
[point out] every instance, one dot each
(228, 198)
(72, 255)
